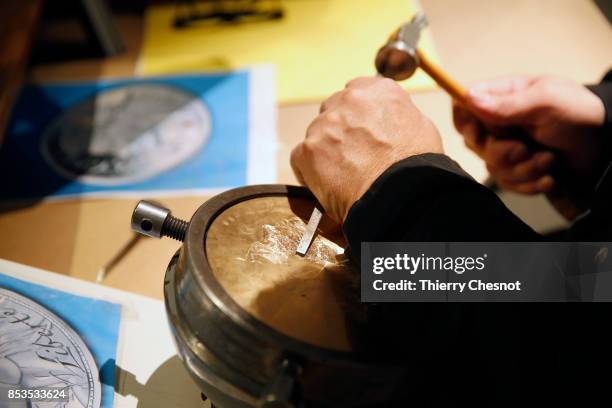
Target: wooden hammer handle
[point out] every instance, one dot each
(560, 197)
(445, 82)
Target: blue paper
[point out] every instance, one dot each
(220, 163)
(96, 321)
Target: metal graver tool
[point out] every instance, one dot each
(269, 312)
(309, 233)
(119, 255)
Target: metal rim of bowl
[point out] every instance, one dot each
(208, 284)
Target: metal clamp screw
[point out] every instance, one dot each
(154, 220)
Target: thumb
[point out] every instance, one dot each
(501, 109)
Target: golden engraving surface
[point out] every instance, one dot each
(251, 250)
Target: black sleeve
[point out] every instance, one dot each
(430, 198)
(596, 223)
(604, 91)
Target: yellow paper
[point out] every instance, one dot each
(317, 46)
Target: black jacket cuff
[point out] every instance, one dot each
(429, 197)
(603, 189)
(604, 92)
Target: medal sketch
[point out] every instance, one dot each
(38, 349)
(127, 134)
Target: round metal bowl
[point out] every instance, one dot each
(238, 360)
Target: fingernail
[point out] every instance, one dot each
(480, 98)
(518, 153)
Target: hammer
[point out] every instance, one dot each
(400, 57)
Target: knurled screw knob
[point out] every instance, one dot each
(154, 220)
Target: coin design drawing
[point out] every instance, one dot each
(38, 349)
(127, 134)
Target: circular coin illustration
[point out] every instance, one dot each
(126, 134)
(38, 349)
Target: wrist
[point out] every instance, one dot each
(354, 194)
(373, 173)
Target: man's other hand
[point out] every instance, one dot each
(360, 132)
(558, 114)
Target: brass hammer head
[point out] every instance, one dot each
(398, 58)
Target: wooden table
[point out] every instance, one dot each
(475, 38)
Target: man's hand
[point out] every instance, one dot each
(558, 114)
(360, 132)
